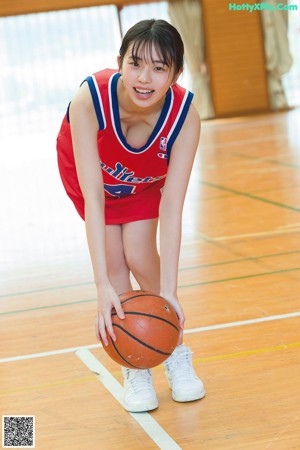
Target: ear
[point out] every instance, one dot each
(119, 62)
(177, 75)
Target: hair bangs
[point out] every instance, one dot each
(144, 49)
(154, 36)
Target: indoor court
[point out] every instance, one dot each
(239, 284)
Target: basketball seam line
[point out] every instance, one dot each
(121, 356)
(149, 315)
(141, 342)
(140, 295)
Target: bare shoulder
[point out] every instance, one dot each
(192, 121)
(82, 111)
(189, 135)
(82, 98)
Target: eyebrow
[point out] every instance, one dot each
(137, 58)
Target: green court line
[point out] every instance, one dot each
(223, 280)
(117, 373)
(55, 288)
(234, 261)
(202, 283)
(251, 196)
(200, 266)
(37, 308)
(271, 161)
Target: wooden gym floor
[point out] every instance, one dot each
(239, 284)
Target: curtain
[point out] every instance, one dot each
(186, 16)
(277, 54)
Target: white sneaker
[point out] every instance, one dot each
(183, 380)
(139, 395)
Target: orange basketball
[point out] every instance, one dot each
(148, 334)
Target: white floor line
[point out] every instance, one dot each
(242, 322)
(189, 331)
(162, 439)
(280, 230)
(50, 353)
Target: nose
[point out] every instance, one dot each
(144, 75)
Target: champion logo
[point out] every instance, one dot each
(162, 155)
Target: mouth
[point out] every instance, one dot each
(144, 92)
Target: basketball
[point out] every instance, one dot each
(148, 334)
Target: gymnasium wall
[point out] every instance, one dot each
(234, 46)
(11, 8)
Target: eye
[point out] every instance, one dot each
(159, 69)
(134, 63)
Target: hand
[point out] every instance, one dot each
(107, 300)
(173, 300)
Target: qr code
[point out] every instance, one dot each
(18, 431)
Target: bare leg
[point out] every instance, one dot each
(139, 242)
(118, 270)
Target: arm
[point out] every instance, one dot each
(84, 129)
(171, 206)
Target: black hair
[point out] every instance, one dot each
(159, 34)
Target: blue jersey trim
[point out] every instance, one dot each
(68, 113)
(117, 121)
(179, 123)
(96, 102)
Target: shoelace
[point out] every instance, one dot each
(139, 380)
(180, 367)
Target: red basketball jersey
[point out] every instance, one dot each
(133, 177)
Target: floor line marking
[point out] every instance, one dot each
(205, 359)
(181, 269)
(50, 353)
(265, 160)
(188, 331)
(289, 225)
(251, 196)
(240, 236)
(234, 261)
(152, 428)
(181, 286)
(55, 305)
(247, 352)
(54, 288)
(242, 323)
(242, 277)
(47, 385)
(250, 258)
(255, 235)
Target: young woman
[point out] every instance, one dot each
(125, 151)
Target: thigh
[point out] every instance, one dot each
(139, 242)
(116, 262)
(114, 244)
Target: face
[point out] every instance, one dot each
(146, 80)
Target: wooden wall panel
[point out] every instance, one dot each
(235, 56)
(15, 7)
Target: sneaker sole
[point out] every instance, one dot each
(141, 408)
(188, 398)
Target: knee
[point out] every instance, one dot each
(116, 266)
(133, 260)
(139, 262)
